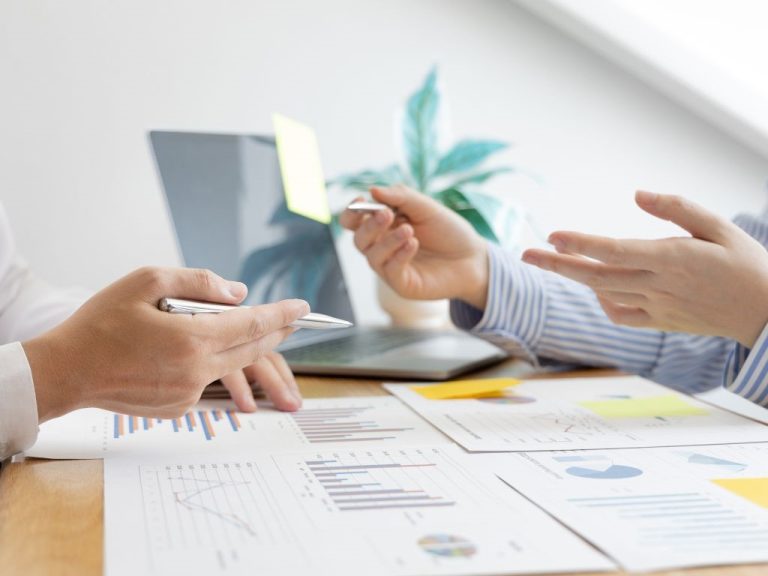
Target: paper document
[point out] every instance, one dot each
(404, 511)
(655, 508)
(214, 426)
(581, 413)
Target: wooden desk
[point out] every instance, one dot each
(51, 512)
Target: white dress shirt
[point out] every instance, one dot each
(28, 307)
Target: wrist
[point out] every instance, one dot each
(755, 319)
(476, 293)
(47, 363)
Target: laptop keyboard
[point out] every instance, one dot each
(352, 347)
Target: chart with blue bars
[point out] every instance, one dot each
(201, 422)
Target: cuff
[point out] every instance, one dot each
(18, 404)
(747, 371)
(514, 314)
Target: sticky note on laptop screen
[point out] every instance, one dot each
(301, 169)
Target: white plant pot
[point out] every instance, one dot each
(405, 313)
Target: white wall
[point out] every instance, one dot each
(82, 82)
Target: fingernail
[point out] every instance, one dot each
(250, 403)
(530, 258)
(558, 244)
(302, 307)
(646, 197)
(236, 289)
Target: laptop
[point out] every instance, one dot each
(226, 201)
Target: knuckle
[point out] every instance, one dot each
(595, 278)
(190, 349)
(152, 277)
(360, 242)
(257, 326)
(678, 203)
(617, 253)
(205, 278)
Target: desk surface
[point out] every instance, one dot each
(51, 512)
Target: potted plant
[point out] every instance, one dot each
(453, 176)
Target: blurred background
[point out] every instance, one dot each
(598, 97)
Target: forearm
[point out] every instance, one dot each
(535, 315)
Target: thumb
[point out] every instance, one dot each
(688, 215)
(189, 283)
(412, 204)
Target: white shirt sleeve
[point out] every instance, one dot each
(18, 405)
(28, 307)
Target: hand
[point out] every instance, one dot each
(714, 282)
(119, 352)
(426, 251)
(274, 377)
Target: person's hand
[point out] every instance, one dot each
(273, 376)
(714, 282)
(121, 353)
(423, 250)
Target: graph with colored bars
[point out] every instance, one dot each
(204, 422)
(358, 482)
(343, 424)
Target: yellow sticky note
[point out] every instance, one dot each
(648, 407)
(301, 169)
(464, 388)
(753, 489)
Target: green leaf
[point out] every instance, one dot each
(335, 225)
(502, 216)
(420, 130)
(478, 177)
(468, 154)
(457, 201)
(367, 178)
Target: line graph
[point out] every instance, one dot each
(192, 500)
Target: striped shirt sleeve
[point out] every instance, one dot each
(538, 315)
(747, 371)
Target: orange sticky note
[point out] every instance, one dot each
(464, 388)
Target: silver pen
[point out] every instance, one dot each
(313, 320)
(368, 207)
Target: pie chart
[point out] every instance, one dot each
(612, 472)
(705, 460)
(447, 546)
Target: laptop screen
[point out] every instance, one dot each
(228, 208)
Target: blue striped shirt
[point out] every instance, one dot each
(537, 315)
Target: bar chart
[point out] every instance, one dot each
(215, 425)
(344, 424)
(379, 486)
(203, 422)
